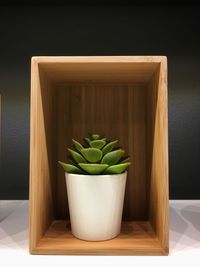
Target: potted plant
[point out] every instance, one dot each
(95, 180)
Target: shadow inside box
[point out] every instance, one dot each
(126, 228)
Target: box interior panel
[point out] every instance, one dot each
(136, 72)
(119, 112)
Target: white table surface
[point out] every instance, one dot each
(184, 240)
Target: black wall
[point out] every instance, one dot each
(171, 30)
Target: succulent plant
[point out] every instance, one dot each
(98, 156)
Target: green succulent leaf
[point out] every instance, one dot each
(70, 168)
(97, 144)
(124, 159)
(117, 169)
(78, 158)
(97, 156)
(87, 140)
(92, 155)
(92, 168)
(112, 157)
(77, 145)
(96, 136)
(109, 147)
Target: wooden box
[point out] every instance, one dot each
(124, 98)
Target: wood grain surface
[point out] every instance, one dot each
(124, 98)
(136, 238)
(119, 112)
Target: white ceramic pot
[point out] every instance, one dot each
(95, 205)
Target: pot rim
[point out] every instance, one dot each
(99, 175)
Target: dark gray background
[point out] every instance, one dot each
(112, 29)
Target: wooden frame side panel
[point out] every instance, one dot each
(41, 194)
(159, 196)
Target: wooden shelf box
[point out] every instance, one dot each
(124, 98)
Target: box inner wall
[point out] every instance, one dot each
(118, 110)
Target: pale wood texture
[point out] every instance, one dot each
(42, 159)
(136, 238)
(124, 98)
(119, 112)
(114, 68)
(158, 136)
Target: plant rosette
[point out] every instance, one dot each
(95, 179)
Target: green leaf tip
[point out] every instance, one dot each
(69, 168)
(87, 140)
(124, 159)
(93, 168)
(97, 144)
(77, 145)
(113, 157)
(92, 155)
(109, 147)
(96, 136)
(78, 158)
(117, 169)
